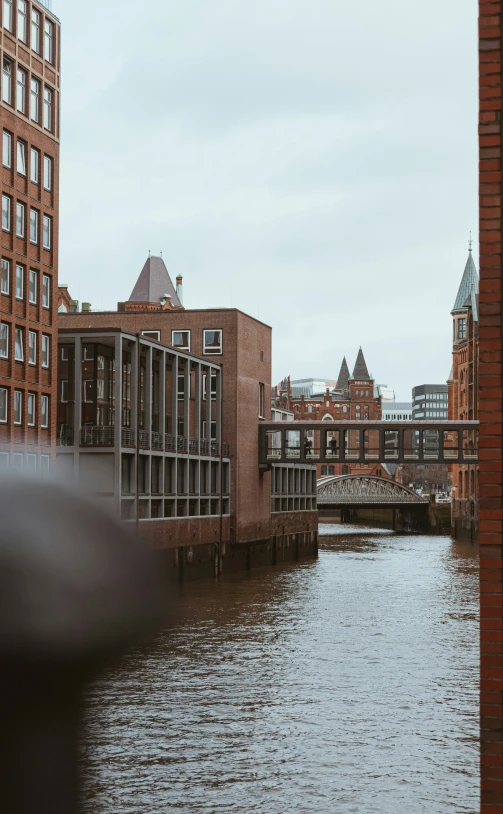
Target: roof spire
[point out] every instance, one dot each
(468, 289)
(470, 243)
(361, 369)
(343, 380)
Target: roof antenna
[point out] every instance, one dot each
(149, 252)
(470, 243)
(161, 255)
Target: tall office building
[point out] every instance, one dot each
(430, 402)
(30, 124)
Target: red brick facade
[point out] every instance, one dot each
(25, 178)
(491, 410)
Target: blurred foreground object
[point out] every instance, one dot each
(76, 590)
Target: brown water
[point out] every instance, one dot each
(347, 684)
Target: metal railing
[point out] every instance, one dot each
(97, 436)
(66, 437)
(127, 437)
(93, 436)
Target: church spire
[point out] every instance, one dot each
(361, 370)
(343, 380)
(469, 286)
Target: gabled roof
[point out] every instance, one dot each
(154, 283)
(361, 370)
(468, 289)
(343, 380)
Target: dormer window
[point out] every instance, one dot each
(462, 328)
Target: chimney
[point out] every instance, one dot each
(179, 288)
(86, 306)
(74, 306)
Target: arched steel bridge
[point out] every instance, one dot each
(366, 490)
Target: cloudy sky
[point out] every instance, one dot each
(312, 162)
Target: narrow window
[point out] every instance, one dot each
(180, 339)
(19, 345)
(22, 20)
(4, 404)
(152, 335)
(33, 226)
(31, 409)
(34, 165)
(261, 395)
(212, 342)
(47, 173)
(45, 464)
(44, 413)
(7, 14)
(47, 232)
(45, 351)
(35, 30)
(21, 91)
(19, 282)
(4, 340)
(32, 348)
(5, 280)
(21, 157)
(35, 100)
(33, 286)
(5, 213)
(46, 291)
(48, 41)
(7, 82)
(7, 149)
(213, 385)
(64, 391)
(18, 407)
(19, 219)
(48, 109)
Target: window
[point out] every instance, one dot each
(152, 335)
(100, 389)
(7, 82)
(4, 340)
(212, 342)
(180, 339)
(48, 108)
(45, 462)
(31, 409)
(462, 328)
(47, 173)
(33, 286)
(19, 219)
(213, 431)
(46, 232)
(19, 345)
(88, 390)
(5, 213)
(31, 462)
(4, 405)
(32, 348)
(44, 412)
(34, 165)
(181, 386)
(21, 91)
(17, 460)
(7, 149)
(213, 385)
(35, 30)
(5, 279)
(33, 226)
(48, 41)
(7, 14)
(18, 407)
(46, 291)
(64, 391)
(22, 20)
(45, 351)
(35, 100)
(261, 396)
(19, 282)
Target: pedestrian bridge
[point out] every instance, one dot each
(365, 490)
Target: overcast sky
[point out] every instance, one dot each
(312, 162)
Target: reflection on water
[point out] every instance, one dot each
(348, 684)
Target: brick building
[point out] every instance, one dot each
(353, 397)
(261, 507)
(463, 397)
(30, 123)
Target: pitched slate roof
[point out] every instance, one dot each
(343, 380)
(361, 370)
(468, 289)
(154, 283)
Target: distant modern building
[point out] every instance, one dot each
(430, 402)
(386, 393)
(397, 411)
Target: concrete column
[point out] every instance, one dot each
(197, 404)
(174, 396)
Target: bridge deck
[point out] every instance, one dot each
(399, 442)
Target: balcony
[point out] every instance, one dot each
(91, 436)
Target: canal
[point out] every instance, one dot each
(346, 684)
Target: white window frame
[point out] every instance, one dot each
(207, 351)
(17, 461)
(213, 423)
(34, 166)
(154, 335)
(21, 157)
(35, 31)
(19, 278)
(32, 348)
(7, 81)
(18, 407)
(213, 378)
(180, 347)
(21, 81)
(48, 105)
(31, 461)
(63, 398)
(20, 219)
(33, 290)
(47, 232)
(7, 149)
(8, 15)
(46, 351)
(45, 464)
(34, 222)
(49, 41)
(48, 173)
(4, 405)
(5, 277)
(35, 100)
(22, 20)
(32, 400)
(46, 291)
(6, 213)
(4, 338)
(44, 412)
(19, 345)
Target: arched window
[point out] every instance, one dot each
(345, 408)
(331, 470)
(345, 469)
(327, 417)
(309, 408)
(368, 393)
(296, 408)
(357, 406)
